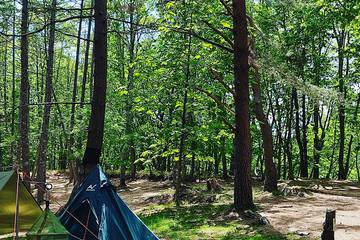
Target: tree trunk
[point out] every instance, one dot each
(304, 169)
(357, 165)
(13, 91)
(86, 62)
(24, 94)
(341, 43)
(131, 154)
(5, 86)
(347, 164)
(316, 141)
(122, 176)
(289, 145)
(223, 158)
(71, 141)
(179, 163)
(243, 198)
(44, 137)
(270, 183)
(216, 162)
(97, 118)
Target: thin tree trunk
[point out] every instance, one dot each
(131, 154)
(243, 198)
(352, 137)
(216, 162)
(5, 86)
(13, 92)
(316, 141)
(279, 136)
(341, 43)
(179, 163)
(44, 137)
(24, 94)
(122, 176)
(86, 61)
(328, 175)
(223, 158)
(357, 165)
(289, 140)
(96, 125)
(73, 99)
(303, 170)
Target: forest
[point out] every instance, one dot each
(215, 107)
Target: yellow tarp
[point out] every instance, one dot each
(29, 210)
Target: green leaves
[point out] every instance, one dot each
(226, 24)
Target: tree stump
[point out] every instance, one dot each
(329, 225)
(212, 185)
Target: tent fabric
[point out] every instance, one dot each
(48, 227)
(29, 210)
(96, 205)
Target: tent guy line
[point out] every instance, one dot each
(61, 206)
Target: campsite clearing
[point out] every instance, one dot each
(210, 216)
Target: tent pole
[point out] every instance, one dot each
(16, 224)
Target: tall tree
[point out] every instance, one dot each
(96, 126)
(44, 136)
(270, 183)
(130, 152)
(243, 198)
(24, 92)
(74, 166)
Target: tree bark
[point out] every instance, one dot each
(352, 137)
(131, 153)
(71, 141)
(24, 94)
(243, 198)
(223, 158)
(341, 43)
(5, 86)
(97, 118)
(288, 141)
(86, 61)
(299, 139)
(179, 163)
(44, 137)
(270, 183)
(316, 141)
(304, 168)
(13, 90)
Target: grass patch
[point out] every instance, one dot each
(197, 222)
(206, 221)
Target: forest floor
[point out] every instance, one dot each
(296, 212)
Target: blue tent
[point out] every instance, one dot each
(95, 211)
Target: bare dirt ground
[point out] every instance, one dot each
(306, 214)
(301, 214)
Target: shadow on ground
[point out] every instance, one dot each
(205, 222)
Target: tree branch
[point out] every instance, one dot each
(216, 99)
(218, 78)
(228, 40)
(74, 36)
(155, 26)
(44, 26)
(227, 7)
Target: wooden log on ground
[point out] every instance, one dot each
(329, 225)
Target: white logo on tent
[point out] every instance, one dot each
(91, 188)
